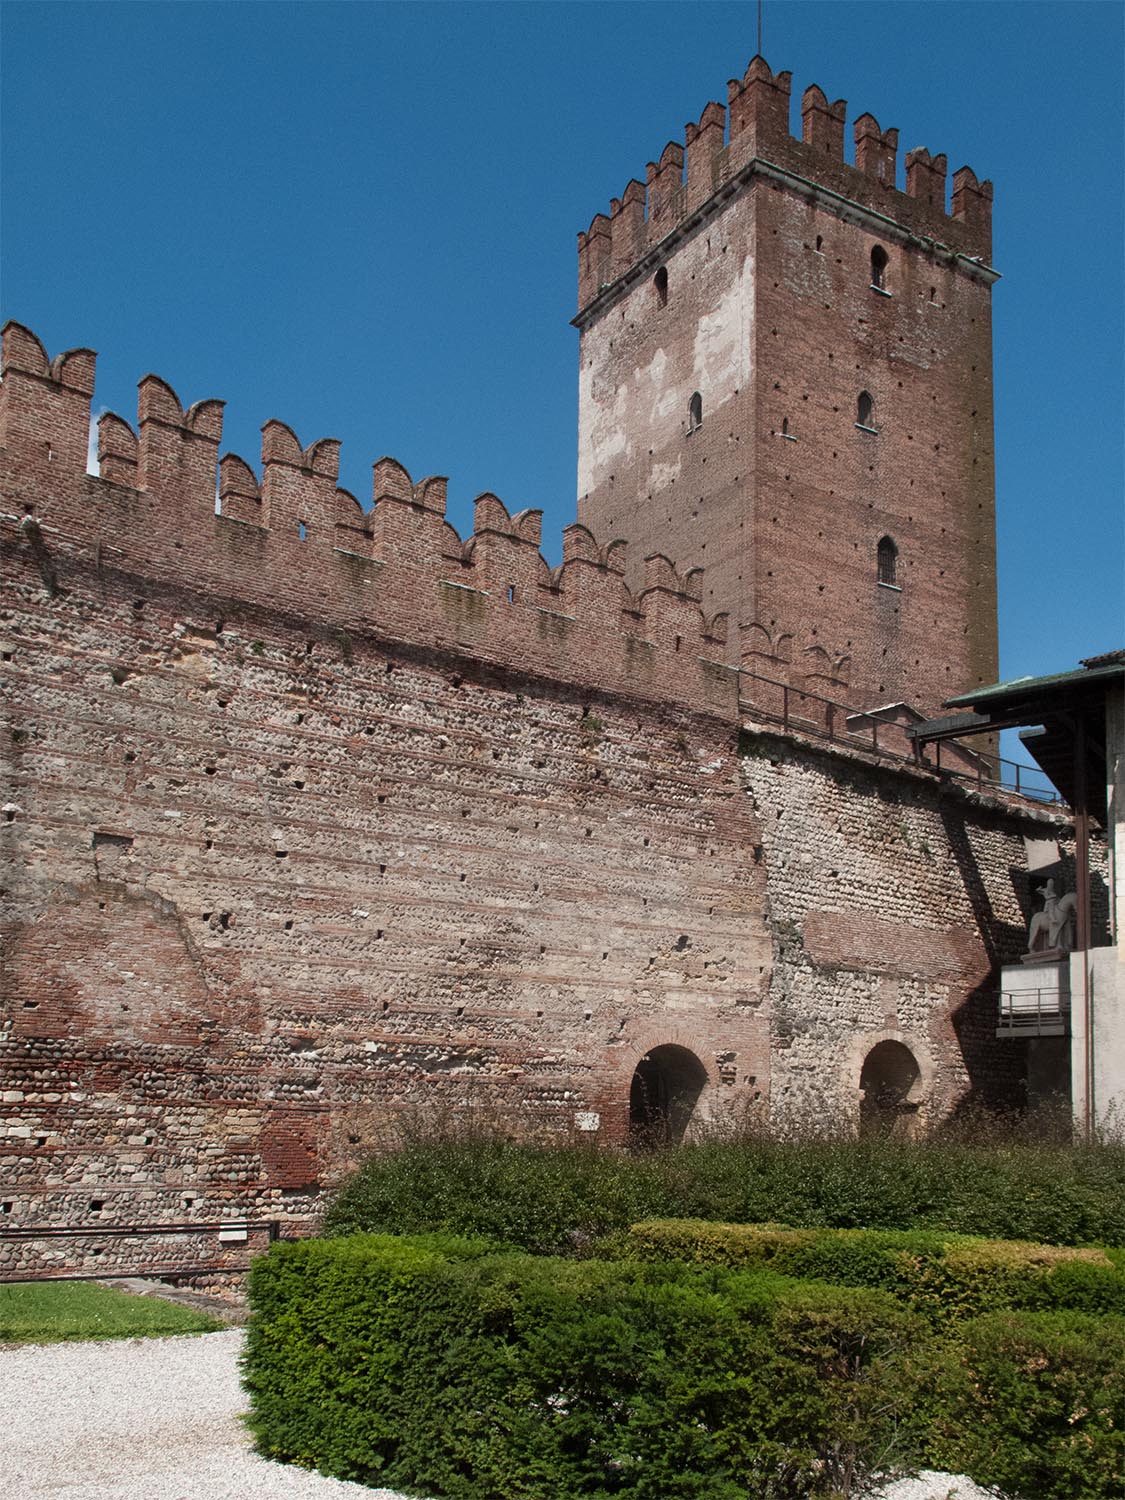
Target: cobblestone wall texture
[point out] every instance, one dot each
(892, 904)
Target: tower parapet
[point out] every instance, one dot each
(750, 135)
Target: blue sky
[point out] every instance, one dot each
(361, 219)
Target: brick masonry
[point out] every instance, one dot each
(742, 274)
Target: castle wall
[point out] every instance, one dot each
(642, 472)
(305, 832)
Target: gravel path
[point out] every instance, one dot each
(157, 1419)
(140, 1419)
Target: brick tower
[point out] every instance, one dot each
(786, 378)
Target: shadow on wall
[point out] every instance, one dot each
(997, 1068)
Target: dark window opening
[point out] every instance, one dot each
(660, 286)
(865, 410)
(819, 243)
(879, 268)
(886, 562)
(695, 412)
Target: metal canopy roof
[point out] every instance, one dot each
(1057, 712)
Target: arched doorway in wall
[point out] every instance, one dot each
(890, 1083)
(663, 1094)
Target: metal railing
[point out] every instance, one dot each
(235, 1240)
(799, 711)
(1034, 1012)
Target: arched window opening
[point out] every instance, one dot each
(819, 244)
(695, 412)
(660, 285)
(664, 1091)
(785, 426)
(886, 562)
(302, 531)
(879, 268)
(865, 410)
(890, 1080)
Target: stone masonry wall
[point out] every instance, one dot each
(296, 838)
(892, 903)
(266, 884)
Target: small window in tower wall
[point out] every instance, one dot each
(865, 411)
(887, 562)
(879, 268)
(695, 412)
(660, 286)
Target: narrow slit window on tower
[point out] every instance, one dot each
(303, 531)
(878, 268)
(695, 412)
(865, 411)
(660, 285)
(886, 563)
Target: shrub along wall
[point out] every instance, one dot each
(441, 1365)
(550, 1199)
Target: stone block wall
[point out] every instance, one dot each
(893, 901)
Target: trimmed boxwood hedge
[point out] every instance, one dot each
(437, 1366)
(943, 1276)
(1033, 1403)
(442, 1365)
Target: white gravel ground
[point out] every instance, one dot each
(140, 1419)
(157, 1419)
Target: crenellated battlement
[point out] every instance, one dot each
(165, 506)
(750, 134)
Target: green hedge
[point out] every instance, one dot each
(554, 1199)
(440, 1365)
(943, 1276)
(436, 1366)
(1033, 1403)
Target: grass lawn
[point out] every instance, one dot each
(46, 1312)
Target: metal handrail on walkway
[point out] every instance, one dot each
(1020, 1016)
(799, 711)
